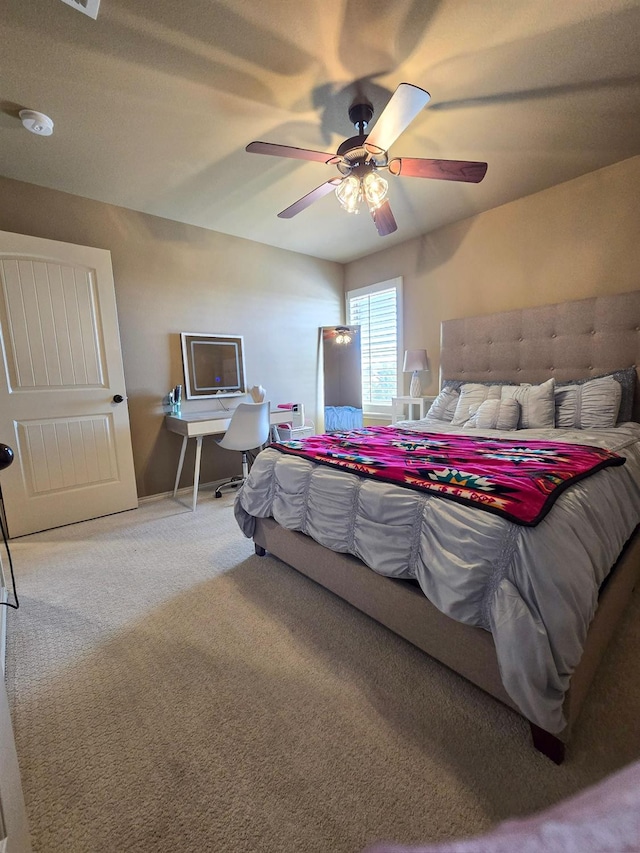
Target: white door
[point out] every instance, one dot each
(63, 403)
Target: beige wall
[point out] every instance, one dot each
(577, 239)
(170, 278)
(573, 240)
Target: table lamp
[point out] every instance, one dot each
(415, 360)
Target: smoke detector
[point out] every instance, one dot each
(36, 122)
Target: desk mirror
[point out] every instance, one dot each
(213, 365)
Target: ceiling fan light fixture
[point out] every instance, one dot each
(375, 188)
(349, 193)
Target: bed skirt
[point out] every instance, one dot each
(403, 608)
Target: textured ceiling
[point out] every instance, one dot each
(155, 101)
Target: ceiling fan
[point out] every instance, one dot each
(360, 160)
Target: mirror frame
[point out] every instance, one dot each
(194, 391)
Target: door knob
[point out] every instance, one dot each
(118, 398)
(6, 456)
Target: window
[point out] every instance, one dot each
(377, 309)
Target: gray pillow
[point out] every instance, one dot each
(472, 394)
(495, 414)
(627, 378)
(589, 405)
(457, 384)
(444, 406)
(537, 403)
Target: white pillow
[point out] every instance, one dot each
(592, 405)
(472, 394)
(537, 403)
(495, 414)
(444, 406)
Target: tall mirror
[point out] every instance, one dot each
(341, 355)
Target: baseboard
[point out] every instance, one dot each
(185, 490)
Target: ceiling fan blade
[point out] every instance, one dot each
(445, 170)
(309, 198)
(384, 219)
(289, 151)
(405, 104)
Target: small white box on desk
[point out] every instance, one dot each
(297, 418)
(290, 434)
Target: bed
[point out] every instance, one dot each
(566, 342)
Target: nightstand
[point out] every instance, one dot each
(404, 408)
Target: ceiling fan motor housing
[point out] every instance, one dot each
(356, 159)
(360, 115)
(355, 156)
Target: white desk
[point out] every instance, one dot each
(399, 404)
(197, 425)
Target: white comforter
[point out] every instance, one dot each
(534, 588)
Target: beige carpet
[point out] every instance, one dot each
(172, 691)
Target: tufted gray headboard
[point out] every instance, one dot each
(570, 340)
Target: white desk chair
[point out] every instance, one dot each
(249, 428)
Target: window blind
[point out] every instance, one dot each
(377, 315)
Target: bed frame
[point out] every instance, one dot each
(571, 340)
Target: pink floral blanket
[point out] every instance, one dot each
(519, 480)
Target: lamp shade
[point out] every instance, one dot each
(415, 359)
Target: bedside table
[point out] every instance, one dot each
(404, 408)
